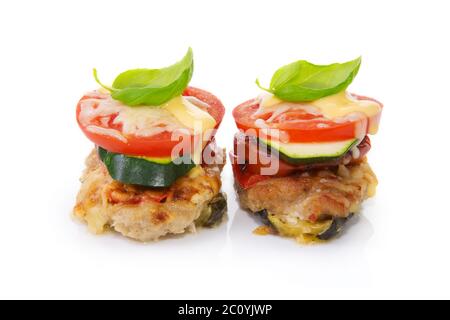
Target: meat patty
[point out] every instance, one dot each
(311, 202)
(147, 214)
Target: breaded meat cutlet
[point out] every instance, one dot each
(313, 205)
(147, 214)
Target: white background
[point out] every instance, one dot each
(398, 249)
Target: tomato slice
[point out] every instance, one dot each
(156, 146)
(244, 178)
(301, 126)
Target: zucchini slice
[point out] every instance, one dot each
(308, 153)
(335, 229)
(304, 230)
(214, 213)
(301, 228)
(141, 171)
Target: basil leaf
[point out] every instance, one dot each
(303, 81)
(100, 83)
(152, 87)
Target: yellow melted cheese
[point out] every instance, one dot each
(333, 107)
(190, 115)
(193, 117)
(177, 114)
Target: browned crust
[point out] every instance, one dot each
(313, 195)
(141, 213)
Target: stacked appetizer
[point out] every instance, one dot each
(300, 157)
(155, 169)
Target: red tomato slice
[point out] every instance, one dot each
(244, 178)
(159, 145)
(301, 126)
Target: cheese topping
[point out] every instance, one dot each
(179, 114)
(338, 107)
(187, 111)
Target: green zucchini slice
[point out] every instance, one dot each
(214, 213)
(324, 230)
(141, 171)
(310, 153)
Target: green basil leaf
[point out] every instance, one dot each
(100, 83)
(152, 87)
(303, 81)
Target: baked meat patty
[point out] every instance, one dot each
(313, 205)
(147, 214)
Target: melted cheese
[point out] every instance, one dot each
(340, 107)
(342, 104)
(179, 114)
(146, 121)
(190, 115)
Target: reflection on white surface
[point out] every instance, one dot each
(338, 263)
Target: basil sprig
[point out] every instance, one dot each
(303, 81)
(152, 87)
